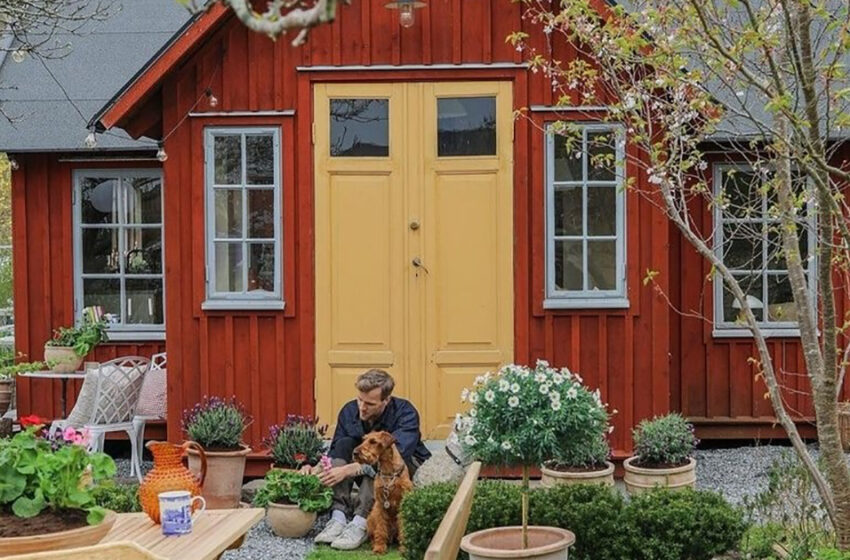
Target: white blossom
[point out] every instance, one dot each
(506, 445)
(473, 398)
(513, 402)
(470, 439)
(490, 396)
(504, 385)
(540, 377)
(464, 395)
(556, 405)
(557, 378)
(544, 389)
(515, 388)
(473, 413)
(572, 393)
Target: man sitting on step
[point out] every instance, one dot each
(374, 410)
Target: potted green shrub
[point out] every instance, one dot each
(217, 425)
(292, 501)
(45, 502)
(297, 441)
(69, 346)
(663, 455)
(7, 381)
(517, 418)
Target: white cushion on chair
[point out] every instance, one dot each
(84, 406)
(153, 394)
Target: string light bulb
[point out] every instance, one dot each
(91, 140)
(406, 11)
(19, 55)
(213, 100)
(161, 154)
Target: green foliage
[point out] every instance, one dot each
(12, 370)
(664, 440)
(215, 423)
(82, 338)
(296, 442)
(303, 490)
(830, 554)
(362, 553)
(35, 475)
(120, 498)
(758, 541)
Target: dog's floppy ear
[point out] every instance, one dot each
(388, 439)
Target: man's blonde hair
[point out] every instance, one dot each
(374, 378)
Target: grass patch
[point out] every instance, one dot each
(325, 552)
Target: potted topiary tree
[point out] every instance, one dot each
(296, 442)
(292, 501)
(520, 417)
(70, 345)
(663, 455)
(217, 425)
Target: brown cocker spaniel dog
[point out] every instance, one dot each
(392, 481)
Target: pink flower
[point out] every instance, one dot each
(69, 433)
(325, 463)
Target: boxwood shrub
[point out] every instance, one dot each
(120, 498)
(660, 525)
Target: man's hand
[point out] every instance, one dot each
(307, 469)
(336, 475)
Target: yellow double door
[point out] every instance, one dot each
(414, 226)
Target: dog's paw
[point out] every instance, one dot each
(379, 549)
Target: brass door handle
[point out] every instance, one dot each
(414, 225)
(417, 262)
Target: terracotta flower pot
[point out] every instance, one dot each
(552, 477)
(544, 543)
(6, 389)
(222, 487)
(62, 358)
(290, 521)
(84, 536)
(641, 479)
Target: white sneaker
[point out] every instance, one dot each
(331, 531)
(352, 537)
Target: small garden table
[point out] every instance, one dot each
(214, 531)
(64, 376)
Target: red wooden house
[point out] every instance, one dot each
(369, 200)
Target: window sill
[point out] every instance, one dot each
(243, 305)
(745, 333)
(588, 303)
(134, 336)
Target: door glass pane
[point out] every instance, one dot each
(144, 300)
(261, 267)
(601, 160)
(568, 158)
(228, 213)
(228, 267)
(752, 286)
(99, 200)
(568, 212)
(144, 200)
(780, 301)
(261, 213)
(227, 150)
(466, 126)
(100, 250)
(144, 251)
(568, 265)
(360, 127)
(105, 292)
(742, 245)
(601, 211)
(602, 265)
(259, 156)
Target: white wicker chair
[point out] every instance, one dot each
(159, 362)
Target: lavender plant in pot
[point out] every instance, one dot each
(296, 442)
(663, 455)
(520, 417)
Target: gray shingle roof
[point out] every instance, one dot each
(103, 57)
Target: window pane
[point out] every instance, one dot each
(776, 252)
(741, 193)
(602, 265)
(568, 211)
(261, 213)
(228, 213)
(228, 267)
(228, 159)
(780, 301)
(360, 127)
(144, 251)
(99, 200)
(105, 292)
(601, 211)
(568, 158)
(568, 265)
(742, 245)
(601, 161)
(261, 267)
(144, 301)
(752, 286)
(100, 250)
(259, 155)
(466, 126)
(144, 200)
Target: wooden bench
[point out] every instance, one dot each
(446, 542)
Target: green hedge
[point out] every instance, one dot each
(121, 498)
(660, 525)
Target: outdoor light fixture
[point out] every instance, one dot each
(91, 139)
(161, 155)
(213, 100)
(406, 10)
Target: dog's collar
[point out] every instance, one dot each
(394, 475)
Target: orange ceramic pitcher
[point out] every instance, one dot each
(168, 473)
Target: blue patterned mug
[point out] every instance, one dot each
(175, 509)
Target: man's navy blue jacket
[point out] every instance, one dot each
(399, 418)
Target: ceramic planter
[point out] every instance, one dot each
(551, 477)
(641, 479)
(222, 487)
(290, 521)
(7, 386)
(62, 358)
(84, 536)
(544, 543)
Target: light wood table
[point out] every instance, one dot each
(214, 531)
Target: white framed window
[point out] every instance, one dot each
(118, 249)
(747, 238)
(585, 217)
(243, 218)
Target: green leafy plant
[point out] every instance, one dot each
(296, 442)
(758, 541)
(664, 441)
(36, 474)
(82, 338)
(120, 498)
(11, 370)
(216, 423)
(303, 490)
(830, 554)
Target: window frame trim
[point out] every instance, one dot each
(214, 299)
(586, 299)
